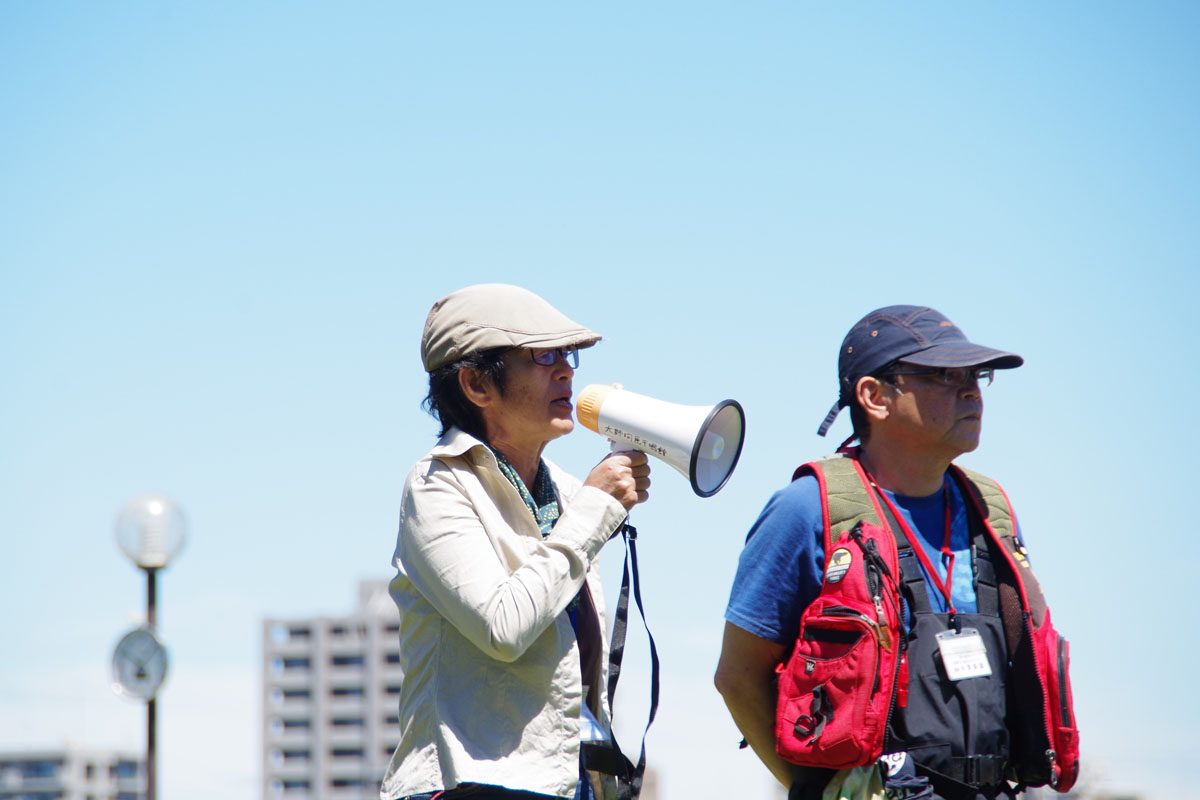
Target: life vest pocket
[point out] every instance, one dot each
(836, 690)
(824, 717)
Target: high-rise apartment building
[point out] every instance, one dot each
(71, 774)
(330, 692)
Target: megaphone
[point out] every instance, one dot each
(702, 442)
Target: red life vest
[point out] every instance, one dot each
(849, 671)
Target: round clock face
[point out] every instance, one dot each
(139, 664)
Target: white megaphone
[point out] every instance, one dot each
(702, 442)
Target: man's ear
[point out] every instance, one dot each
(475, 387)
(873, 396)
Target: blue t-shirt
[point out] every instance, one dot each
(782, 565)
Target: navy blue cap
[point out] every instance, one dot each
(915, 335)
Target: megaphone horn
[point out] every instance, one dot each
(702, 442)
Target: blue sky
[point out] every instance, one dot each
(222, 225)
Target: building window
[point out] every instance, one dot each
(391, 689)
(294, 725)
(346, 691)
(349, 783)
(40, 769)
(296, 663)
(347, 661)
(347, 722)
(347, 752)
(123, 769)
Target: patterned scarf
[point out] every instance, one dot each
(543, 502)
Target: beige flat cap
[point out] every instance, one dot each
(491, 315)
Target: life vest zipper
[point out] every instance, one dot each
(1040, 670)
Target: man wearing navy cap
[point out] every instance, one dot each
(912, 381)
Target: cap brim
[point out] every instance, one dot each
(963, 354)
(579, 339)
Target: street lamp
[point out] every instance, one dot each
(150, 530)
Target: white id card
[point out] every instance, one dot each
(963, 654)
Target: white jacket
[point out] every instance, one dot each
(491, 689)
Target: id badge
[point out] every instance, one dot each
(963, 654)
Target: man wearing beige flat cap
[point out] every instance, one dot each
(502, 644)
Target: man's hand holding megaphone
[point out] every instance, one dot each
(625, 476)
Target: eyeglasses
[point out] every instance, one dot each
(952, 377)
(547, 356)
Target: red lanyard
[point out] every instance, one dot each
(947, 553)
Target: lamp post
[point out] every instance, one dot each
(150, 530)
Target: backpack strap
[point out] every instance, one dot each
(990, 501)
(845, 500)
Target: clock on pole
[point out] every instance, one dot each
(139, 664)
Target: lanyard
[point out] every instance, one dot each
(947, 554)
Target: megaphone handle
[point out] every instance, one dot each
(623, 447)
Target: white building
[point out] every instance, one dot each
(71, 774)
(330, 699)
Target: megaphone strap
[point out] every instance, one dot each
(629, 786)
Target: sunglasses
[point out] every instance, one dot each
(953, 377)
(546, 356)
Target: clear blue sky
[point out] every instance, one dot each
(222, 225)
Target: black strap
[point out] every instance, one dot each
(821, 712)
(610, 759)
(987, 593)
(910, 569)
(967, 776)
